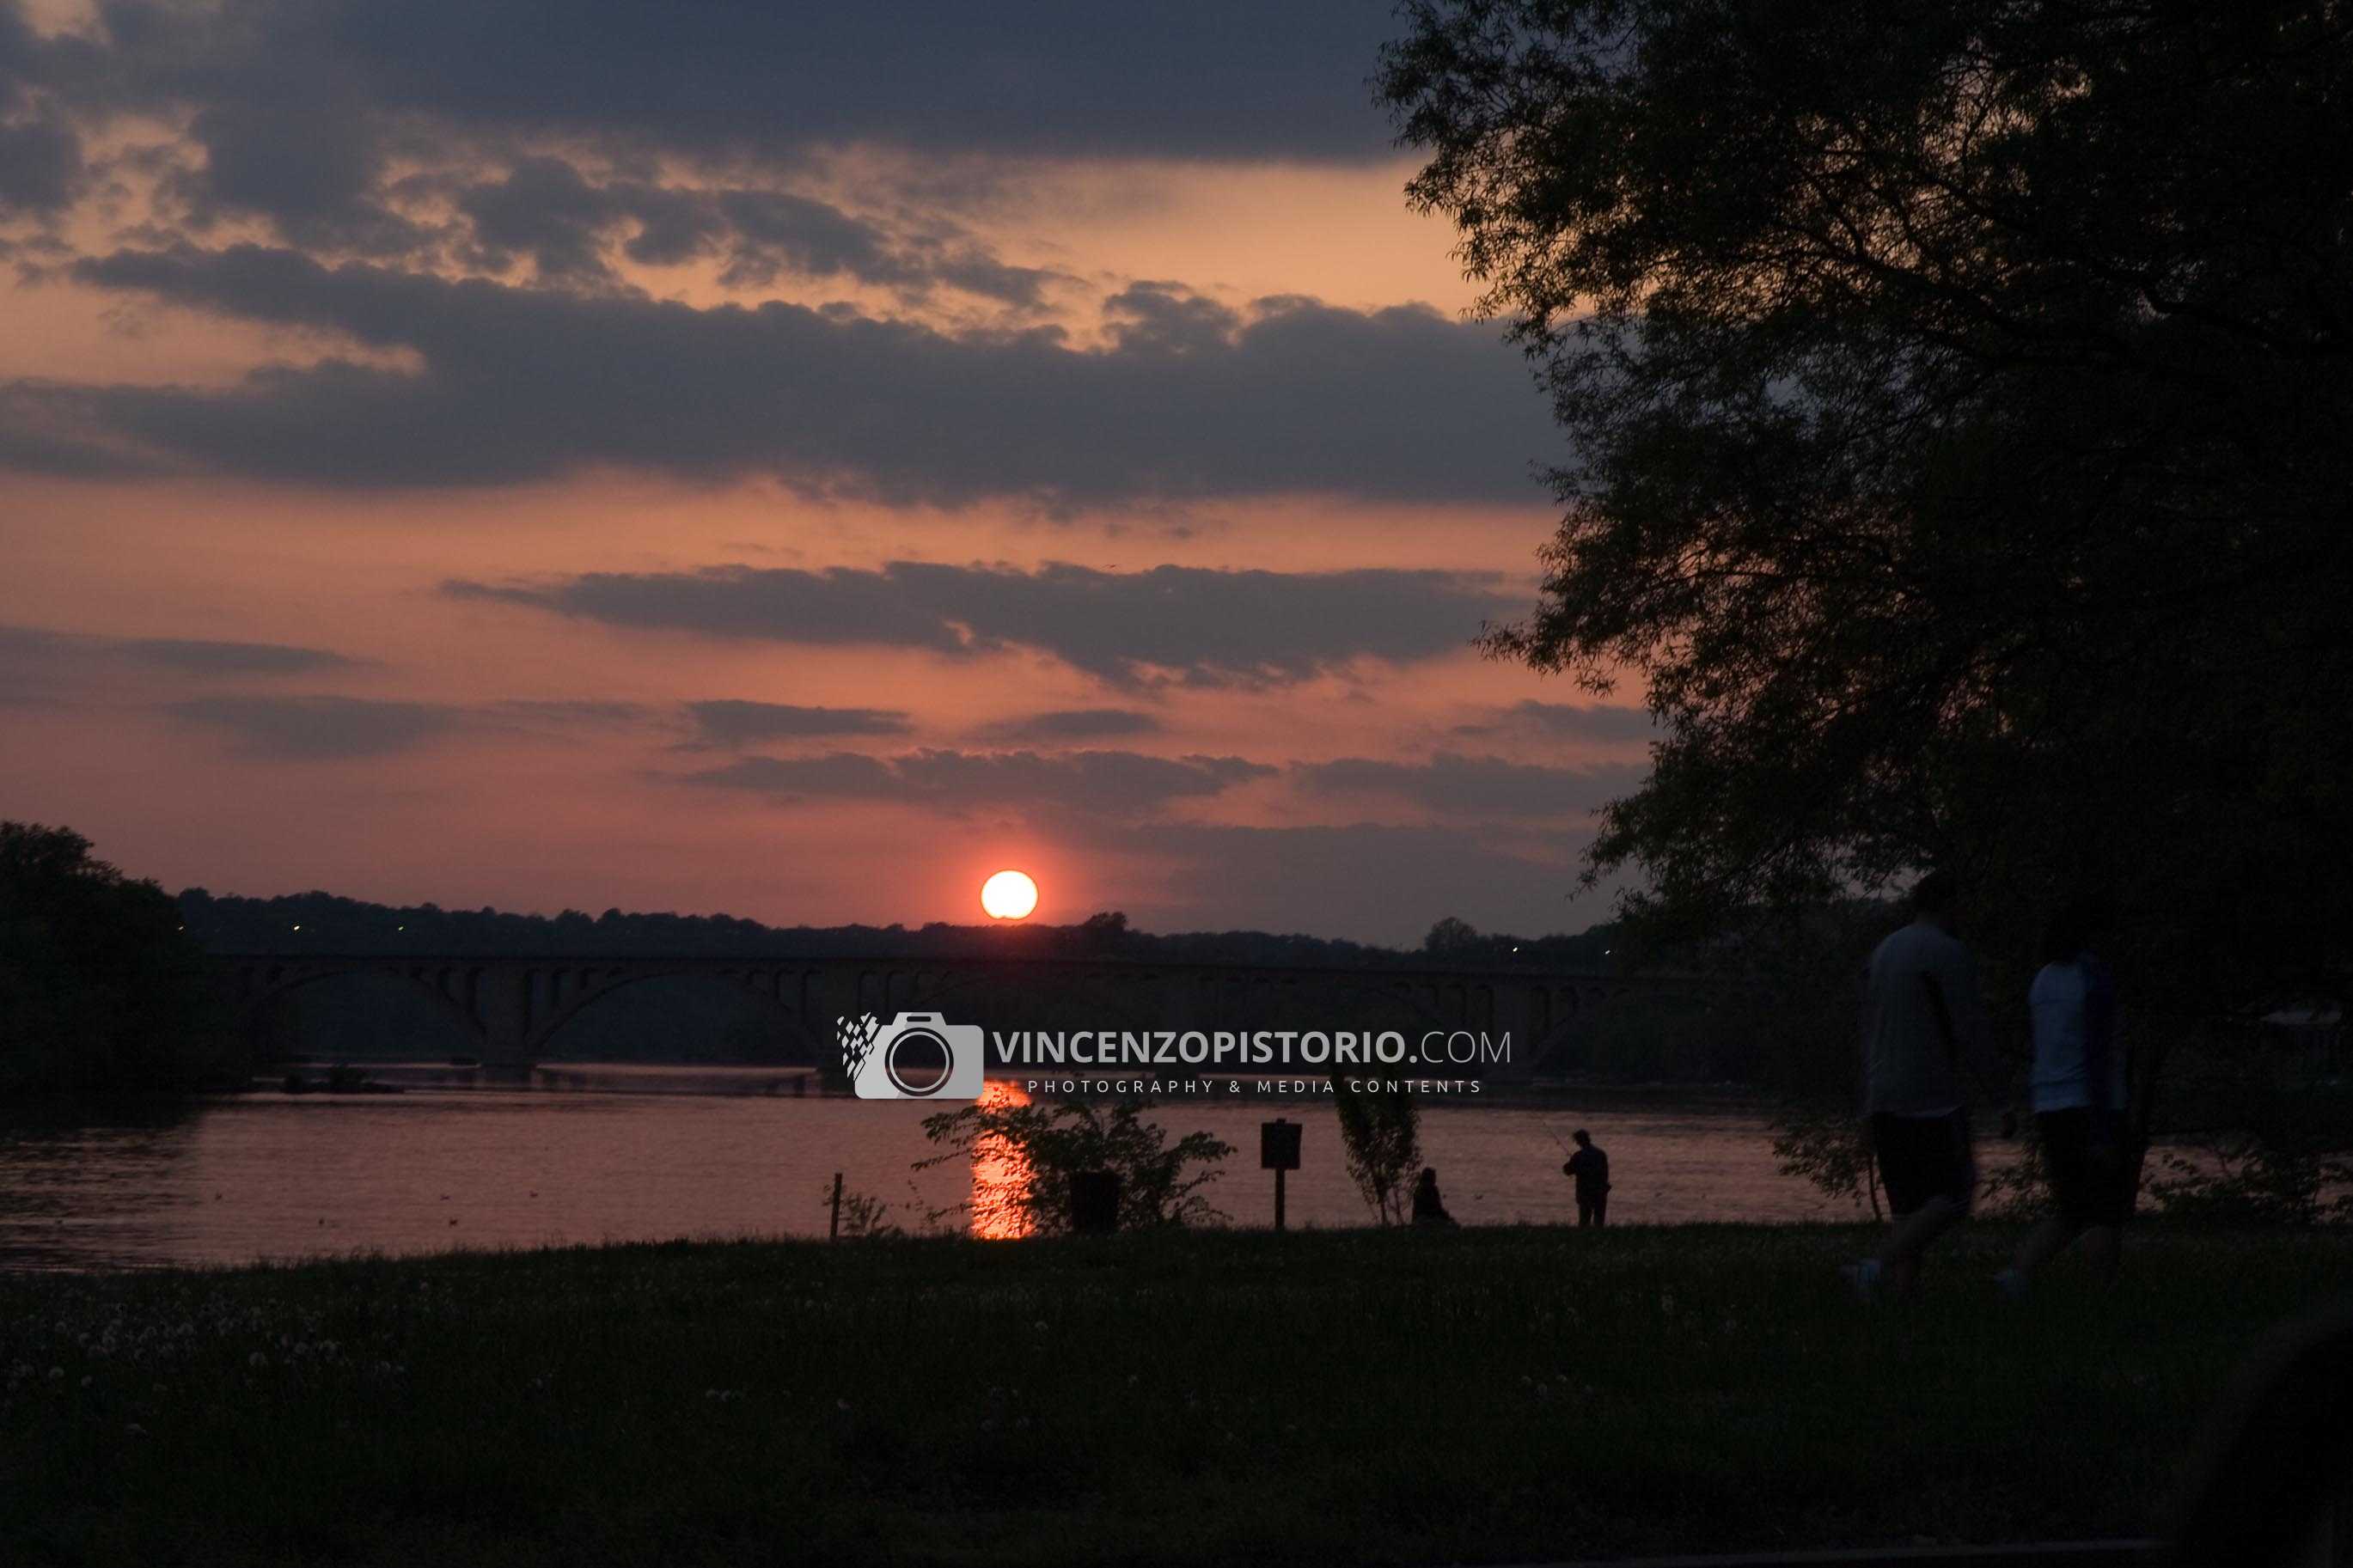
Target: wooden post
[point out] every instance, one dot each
(833, 1232)
(1279, 1173)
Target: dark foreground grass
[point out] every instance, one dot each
(1377, 1397)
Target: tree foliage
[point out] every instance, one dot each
(1957, 398)
(2259, 1137)
(1380, 1138)
(1832, 1151)
(100, 993)
(1450, 935)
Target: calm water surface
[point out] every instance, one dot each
(278, 1176)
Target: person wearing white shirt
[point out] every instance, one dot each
(2080, 1088)
(1924, 1036)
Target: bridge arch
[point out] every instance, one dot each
(574, 990)
(446, 986)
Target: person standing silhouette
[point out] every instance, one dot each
(1590, 1167)
(1924, 1024)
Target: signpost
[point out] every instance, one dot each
(1277, 1151)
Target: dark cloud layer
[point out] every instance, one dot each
(1078, 724)
(313, 729)
(1210, 78)
(40, 163)
(570, 226)
(42, 168)
(1567, 721)
(730, 723)
(1475, 786)
(197, 657)
(1111, 783)
(545, 128)
(38, 664)
(1203, 626)
(23, 646)
(1191, 400)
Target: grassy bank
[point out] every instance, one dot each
(1369, 1396)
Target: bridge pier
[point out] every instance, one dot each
(502, 1009)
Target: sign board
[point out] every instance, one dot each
(1094, 1201)
(1278, 1145)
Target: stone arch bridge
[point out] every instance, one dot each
(511, 1007)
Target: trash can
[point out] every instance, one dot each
(1094, 1201)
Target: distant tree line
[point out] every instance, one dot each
(101, 993)
(1597, 948)
(327, 923)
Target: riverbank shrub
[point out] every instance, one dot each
(1380, 1140)
(1023, 1157)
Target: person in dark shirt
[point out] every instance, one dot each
(1428, 1208)
(1590, 1168)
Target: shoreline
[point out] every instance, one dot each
(801, 1081)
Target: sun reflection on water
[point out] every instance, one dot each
(1001, 1174)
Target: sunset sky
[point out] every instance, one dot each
(770, 459)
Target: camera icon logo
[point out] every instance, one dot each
(915, 1056)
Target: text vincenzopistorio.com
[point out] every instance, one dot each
(1252, 1048)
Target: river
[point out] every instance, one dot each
(271, 1175)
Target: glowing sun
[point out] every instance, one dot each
(1008, 895)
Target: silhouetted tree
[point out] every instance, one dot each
(1452, 935)
(1105, 931)
(1958, 396)
(100, 993)
(1380, 1140)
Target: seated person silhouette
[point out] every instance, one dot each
(1428, 1208)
